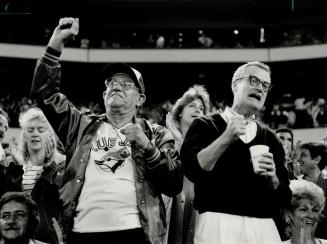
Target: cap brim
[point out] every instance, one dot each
(116, 68)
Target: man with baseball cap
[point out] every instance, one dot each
(118, 165)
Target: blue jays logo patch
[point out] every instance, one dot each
(113, 160)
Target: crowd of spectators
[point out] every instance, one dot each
(254, 37)
(288, 111)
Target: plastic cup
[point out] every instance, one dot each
(256, 153)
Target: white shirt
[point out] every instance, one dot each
(108, 197)
(250, 128)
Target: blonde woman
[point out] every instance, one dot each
(181, 215)
(41, 165)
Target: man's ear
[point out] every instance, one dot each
(141, 100)
(104, 95)
(234, 86)
(317, 159)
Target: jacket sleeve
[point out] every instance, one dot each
(163, 164)
(62, 115)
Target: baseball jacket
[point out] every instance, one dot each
(158, 169)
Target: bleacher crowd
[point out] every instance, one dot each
(185, 171)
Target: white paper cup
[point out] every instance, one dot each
(256, 152)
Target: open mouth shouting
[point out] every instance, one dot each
(255, 96)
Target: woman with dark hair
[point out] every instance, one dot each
(304, 212)
(195, 102)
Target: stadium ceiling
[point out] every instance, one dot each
(166, 13)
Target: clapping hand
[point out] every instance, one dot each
(50, 146)
(16, 152)
(294, 159)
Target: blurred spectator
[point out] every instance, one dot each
(204, 40)
(302, 110)
(321, 116)
(3, 125)
(160, 42)
(277, 117)
(19, 219)
(318, 107)
(286, 136)
(85, 43)
(150, 42)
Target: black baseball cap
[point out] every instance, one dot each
(122, 68)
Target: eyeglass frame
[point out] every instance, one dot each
(17, 215)
(123, 84)
(263, 83)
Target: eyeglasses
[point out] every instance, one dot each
(19, 215)
(124, 84)
(255, 81)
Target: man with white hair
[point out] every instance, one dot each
(235, 203)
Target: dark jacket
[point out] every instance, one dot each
(231, 186)
(158, 169)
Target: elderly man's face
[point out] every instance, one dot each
(250, 98)
(121, 94)
(3, 127)
(13, 220)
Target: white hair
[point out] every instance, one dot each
(240, 70)
(306, 189)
